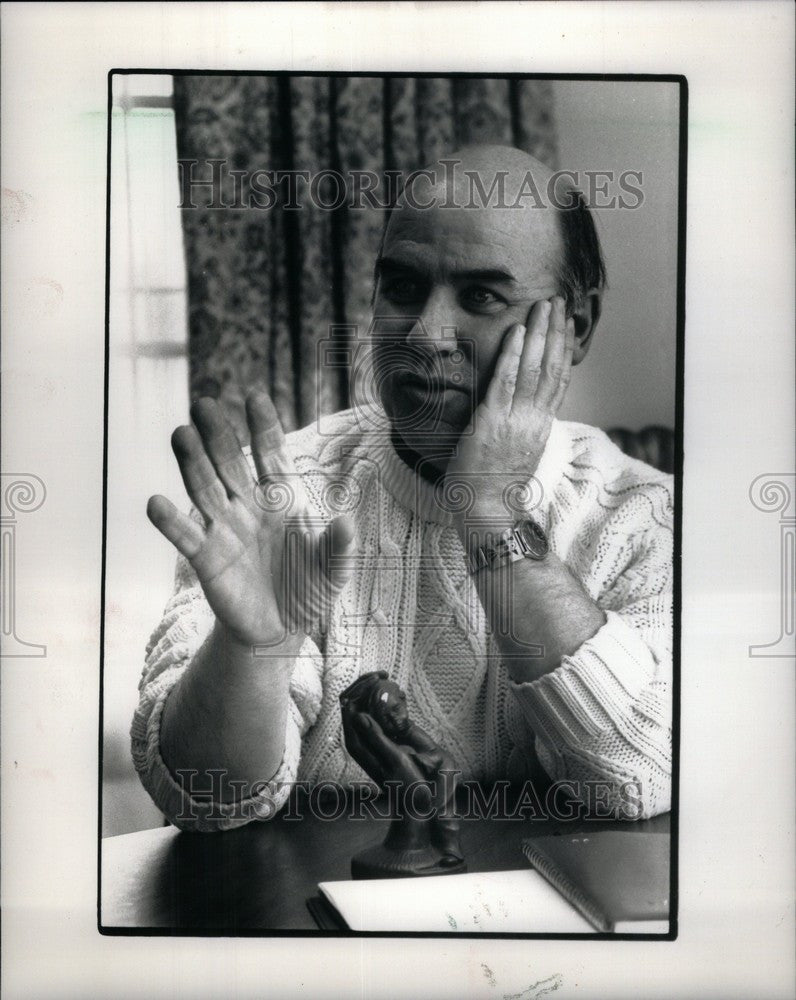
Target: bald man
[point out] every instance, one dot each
(511, 572)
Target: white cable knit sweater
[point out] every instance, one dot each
(410, 608)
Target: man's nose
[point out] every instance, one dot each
(435, 328)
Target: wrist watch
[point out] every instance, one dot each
(524, 540)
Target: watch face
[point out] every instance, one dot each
(534, 538)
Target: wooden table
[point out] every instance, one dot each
(258, 878)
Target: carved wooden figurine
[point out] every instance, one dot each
(423, 838)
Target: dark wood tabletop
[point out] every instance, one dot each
(259, 877)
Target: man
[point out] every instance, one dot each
(531, 622)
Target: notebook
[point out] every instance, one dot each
(481, 902)
(618, 880)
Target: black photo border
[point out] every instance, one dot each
(682, 83)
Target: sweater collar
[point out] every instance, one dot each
(418, 495)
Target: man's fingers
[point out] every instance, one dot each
(530, 367)
(182, 531)
(316, 567)
(222, 447)
(337, 551)
(500, 392)
(569, 351)
(267, 436)
(280, 487)
(201, 482)
(555, 368)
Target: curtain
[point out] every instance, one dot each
(270, 290)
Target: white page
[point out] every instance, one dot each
(641, 927)
(493, 902)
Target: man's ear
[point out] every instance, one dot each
(585, 318)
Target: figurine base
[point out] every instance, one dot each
(381, 862)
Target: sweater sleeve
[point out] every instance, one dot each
(602, 719)
(186, 622)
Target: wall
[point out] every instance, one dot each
(628, 378)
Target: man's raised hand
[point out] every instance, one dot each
(267, 567)
(510, 428)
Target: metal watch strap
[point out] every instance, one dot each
(509, 546)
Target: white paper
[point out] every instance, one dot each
(514, 902)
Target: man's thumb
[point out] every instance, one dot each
(338, 549)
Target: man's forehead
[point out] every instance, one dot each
(441, 259)
(525, 269)
(459, 241)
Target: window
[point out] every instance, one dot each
(148, 390)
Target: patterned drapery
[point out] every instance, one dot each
(267, 285)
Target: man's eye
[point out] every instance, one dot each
(403, 290)
(480, 297)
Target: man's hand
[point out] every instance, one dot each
(508, 432)
(265, 568)
(542, 613)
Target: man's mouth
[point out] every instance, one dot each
(430, 386)
(434, 400)
(431, 401)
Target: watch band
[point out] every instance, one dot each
(524, 540)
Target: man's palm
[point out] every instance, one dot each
(266, 566)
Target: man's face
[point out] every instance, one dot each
(450, 284)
